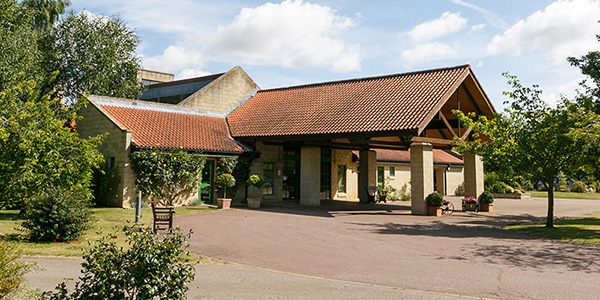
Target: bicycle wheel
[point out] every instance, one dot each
(450, 208)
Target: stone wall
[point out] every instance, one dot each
(270, 154)
(344, 157)
(224, 93)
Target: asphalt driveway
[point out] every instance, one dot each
(465, 254)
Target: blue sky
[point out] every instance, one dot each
(284, 43)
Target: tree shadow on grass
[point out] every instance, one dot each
(10, 215)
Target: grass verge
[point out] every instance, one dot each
(106, 220)
(566, 195)
(586, 231)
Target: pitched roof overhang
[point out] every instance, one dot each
(378, 112)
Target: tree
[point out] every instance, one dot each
(531, 136)
(166, 174)
(19, 54)
(12, 271)
(94, 55)
(152, 267)
(47, 12)
(37, 150)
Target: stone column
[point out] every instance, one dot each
(310, 176)
(421, 176)
(473, 173)
(367, 173)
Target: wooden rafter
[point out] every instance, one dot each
(466, 134)
(431, 140)
(447, 123)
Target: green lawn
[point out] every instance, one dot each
(106, 220)
(585, 231)
(566, 195)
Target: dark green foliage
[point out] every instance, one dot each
(490, 179)
(37, 150)
(106, 183)
(166, 174)
(499, 187)
(435, 200)
(226, 165)
(46, 12)
(94, 55)
(225, 181)
(486, 198)
(12, 270)
(152, 268)
(578, 187)
(59, 214)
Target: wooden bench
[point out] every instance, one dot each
(162, 216)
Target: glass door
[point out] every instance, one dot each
(291, 174)
(206, 193)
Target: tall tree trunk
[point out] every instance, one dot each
(550, 217)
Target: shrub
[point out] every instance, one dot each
(460, 190)
(499, 187)
(435, 200)
(486, 198)
(57, 215)
(225, 181)
(256, 181)
(152, 268)
(106, 183)
(578, 187)
(12, 271)
(510, 190)
(489, 179)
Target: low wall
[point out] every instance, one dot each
(513, 196)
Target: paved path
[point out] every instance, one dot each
(465, 254)
(227, 281)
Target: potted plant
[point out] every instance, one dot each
(225, 181)
(434, 204)
(486, 200)
(470, 204)
(255, 182)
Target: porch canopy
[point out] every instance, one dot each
(402, 111)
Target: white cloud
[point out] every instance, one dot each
(189, 62)
(478, 27)
(492, 18)
(562, 29)
(446, 24)
(293, 34)
(429, 52)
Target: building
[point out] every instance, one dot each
(309, 142)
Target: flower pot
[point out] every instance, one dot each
(224, 203)
(434, 211)
(487, 207)
(470, 206)
(253, 202)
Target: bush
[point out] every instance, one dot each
(225, 181)
(57, 215)
(489, 179)
(106, 184)
(499, 187)
(12, 271)
(435, 200)
(486, 198)
(460, 190)
(578, 187)
(152, 268)
(256, 181)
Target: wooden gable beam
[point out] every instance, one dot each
(471, 99)
(447, 123)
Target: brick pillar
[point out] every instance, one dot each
(473, 173)
(367, 173)
(310, 176)
(421, 176)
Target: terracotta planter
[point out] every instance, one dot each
(434, 211)
(487, 207)
(224, 203)
(253, 202)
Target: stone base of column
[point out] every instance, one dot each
(421, 176)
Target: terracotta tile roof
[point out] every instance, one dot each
(399, 156)
(377, 104)
(155, 125)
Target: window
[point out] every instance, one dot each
(392, 172)
(112, 163)
(341, 178)
(380, 176)
(269, 175)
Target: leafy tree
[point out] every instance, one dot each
(12, 271)
(152, 268)
(166, 174)
(47, 12)
(37, 150)
(532, 137)
(19, 54)
(94, 55)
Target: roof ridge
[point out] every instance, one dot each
(364, 78)
(154, 106)
(186, 80)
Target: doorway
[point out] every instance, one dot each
(291, 174)
(206, 193)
